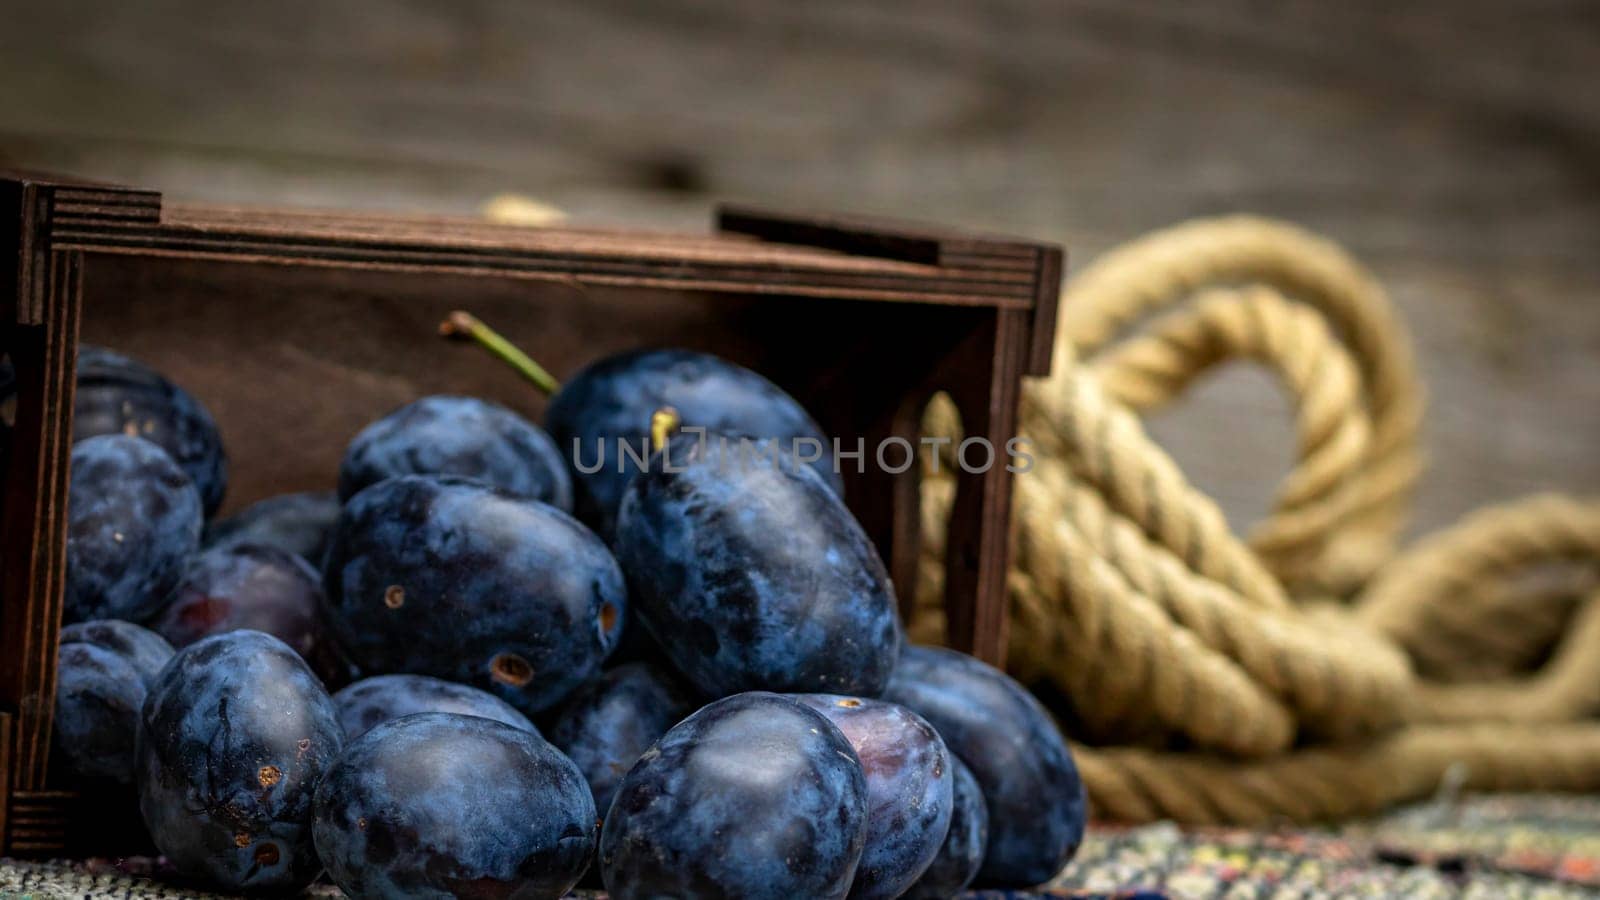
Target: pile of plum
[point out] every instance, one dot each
(696, 686)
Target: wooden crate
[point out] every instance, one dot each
(297, 328)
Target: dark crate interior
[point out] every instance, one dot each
(293, 362)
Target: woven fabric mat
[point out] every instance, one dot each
(1489, 847)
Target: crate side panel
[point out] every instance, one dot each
(33, 528)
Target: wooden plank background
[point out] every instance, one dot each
(1453, 144)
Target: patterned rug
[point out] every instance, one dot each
(1484, 847)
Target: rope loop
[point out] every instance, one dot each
(1307, 672)
(1287, 281)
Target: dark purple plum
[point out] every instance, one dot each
(752, 575)
(444, 805)
(105, 669)
(120, 395)
(98, 695)
(754, 796)
(370, 702)
(145, 650)
(608, 724)
(298, 523)
(961, 854)
(462, 436)
(251, 586)
(1030, 783)
(133, 518)
(233, 738)
(452, 578)
(611, 400)
(909, 793)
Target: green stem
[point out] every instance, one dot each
(465, 324)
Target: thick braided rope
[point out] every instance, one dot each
(1153, 367)
(1140, 661)
(1155, 624)
(1141, 637)
(1566, 688)
(1336, 683)
(1166, 268)
(1326, 783)
(1410, 599)
(1106, 448)
(1500, 628)
(1160, 681)
(1517, 734)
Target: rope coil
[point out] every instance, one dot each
(1309, 672)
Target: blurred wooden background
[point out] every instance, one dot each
(1454, 145)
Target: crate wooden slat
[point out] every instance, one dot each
(298, 326)
(37, 822)
(620, 259)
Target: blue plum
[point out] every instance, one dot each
(133, 518)
(251, 586)
(104, 670)
(145, 650)
(444, 805)
(1030, 783)
(299, 523)
(233, 738)
(608, 724)
(611, 400)
(370, 702)
(752, 575)
(964, 845)
(120, 395)
(452, 578)
(754, 796)
(909, 790)
(462, 436)
(98, 695)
